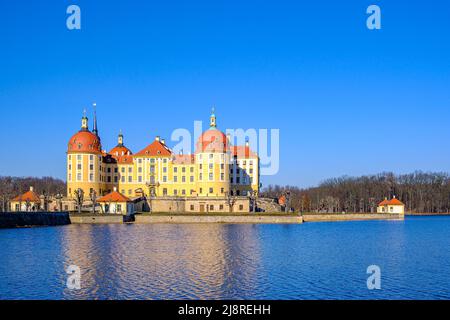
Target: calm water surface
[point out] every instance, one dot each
(309, 261)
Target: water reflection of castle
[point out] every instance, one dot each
(163, 261)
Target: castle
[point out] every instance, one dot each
(218, 177)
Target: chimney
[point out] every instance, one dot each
(181, 152)
(31, 189)
(115, 189)
(157, 138)
(247, 144)
(163, 141)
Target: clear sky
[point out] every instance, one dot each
(347, 100)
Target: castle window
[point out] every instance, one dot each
(200, 177)
(91, 167)
(175, 169)
(211, 156)
(222, 190)
(183, 192)
(165, 169)
(164, 178)
(241, 207)
(192, 179)
(79, 177)
(211, 190)
(123, 169)
(211, 166)
(175, 192)
(211, 207)
(175, 179)
(183, 179)
(222, 176)
(130, 169)
(192, 207)
(109, 179)
(123, 179)
(91, 177)
(192, 169)
(211, 177)
(165, 192)
(221, 207)
(201, 190)
(140, 179)
(130, 179)
(79, 157)
(79, 166)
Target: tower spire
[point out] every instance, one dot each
(120, 139)
(84, 122)
(213, 122)
(95, 129)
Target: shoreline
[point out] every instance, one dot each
(18, 220)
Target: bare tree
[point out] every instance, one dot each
(79, 199)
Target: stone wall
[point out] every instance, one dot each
(228, 219)
(267, 205)
(97, 219)
(30, 219)
(199, 204)
(350, 217)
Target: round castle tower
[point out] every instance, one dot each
(212, 161)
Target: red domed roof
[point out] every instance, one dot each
(120, 151)
(212, 140)
(85, 141)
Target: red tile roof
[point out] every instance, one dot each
(27, 196)
(120, 151)
(114, 196)
(212, 140)
(84, 141)
(155, 149)
(395, 202)
(184, 159)
(243, 152)
(392, 202)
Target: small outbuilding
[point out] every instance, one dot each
(393, 206)
(116, 203)
(27, 202)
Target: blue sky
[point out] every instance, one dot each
(347, 100)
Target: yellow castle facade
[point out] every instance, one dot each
(216, 170)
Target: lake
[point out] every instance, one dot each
(213, 261)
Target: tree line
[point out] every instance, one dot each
(420, 191)
(11, 187)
